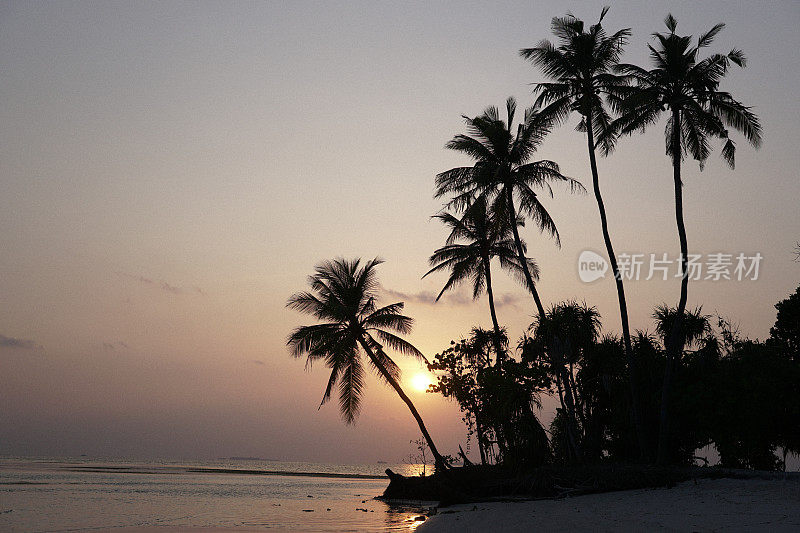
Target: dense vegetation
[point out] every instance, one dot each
(741, 395)
(634, 397)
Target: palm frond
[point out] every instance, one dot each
(314, 339)
(737, 116)
(708, 37)
(389, 317)
(351, 390)
(399, 345)
(332, 380)
(729, 153)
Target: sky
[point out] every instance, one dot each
(171, 172)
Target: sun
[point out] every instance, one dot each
(420, 381)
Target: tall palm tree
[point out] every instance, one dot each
(502, 171)
(581, 70)
(698, 111)
(343, 294)
(484, 237)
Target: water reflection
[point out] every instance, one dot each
(406, 516)
(136, 495)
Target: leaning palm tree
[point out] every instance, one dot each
(343, 294)
(698, 111)
(483, 237)
(580, 67)
(503, 171)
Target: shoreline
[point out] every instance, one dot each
(211, 470)
(730, 504)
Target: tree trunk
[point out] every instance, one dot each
(633, 376)
(498, 345)
(557, 361)
(577, 400)
(572, 424)
(674, 341)
(481, 445)
(521, 253)
(440, 462)
(572, 445)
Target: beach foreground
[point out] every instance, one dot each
(702, 505)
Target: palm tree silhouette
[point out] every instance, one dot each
(502, 171)
(689, 88)
(562, 337)
(344, 293)
(580, 68)
(485, 237)
(696, 325)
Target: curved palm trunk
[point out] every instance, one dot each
(623, 306)
(674, 342)
(512, 213)
(440, 462)
(498, 346)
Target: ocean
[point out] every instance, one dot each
(68, 494)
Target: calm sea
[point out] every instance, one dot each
(47, 494)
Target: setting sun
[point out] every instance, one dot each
(420, 381)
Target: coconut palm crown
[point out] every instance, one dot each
(504, 174)
(689, 87)
(475, 239)
(581, 69)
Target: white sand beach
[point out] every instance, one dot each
(704, 505)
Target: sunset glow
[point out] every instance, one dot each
(420, 381)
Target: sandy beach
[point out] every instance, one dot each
(704, 505)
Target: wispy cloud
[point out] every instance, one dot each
(508, 300)
(111, 346)
(164, 285)
(14, 343)
(453, 298)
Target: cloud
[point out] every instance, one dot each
(508, 300)
(111, 346)
(453, 298)
(13, 343)
(164, 285)
(171, 288)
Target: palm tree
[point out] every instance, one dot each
(689, 87)
(696, 325)
(343, 294)
(580, 68)
(485, 237)
(502, 171)
(561, 338)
